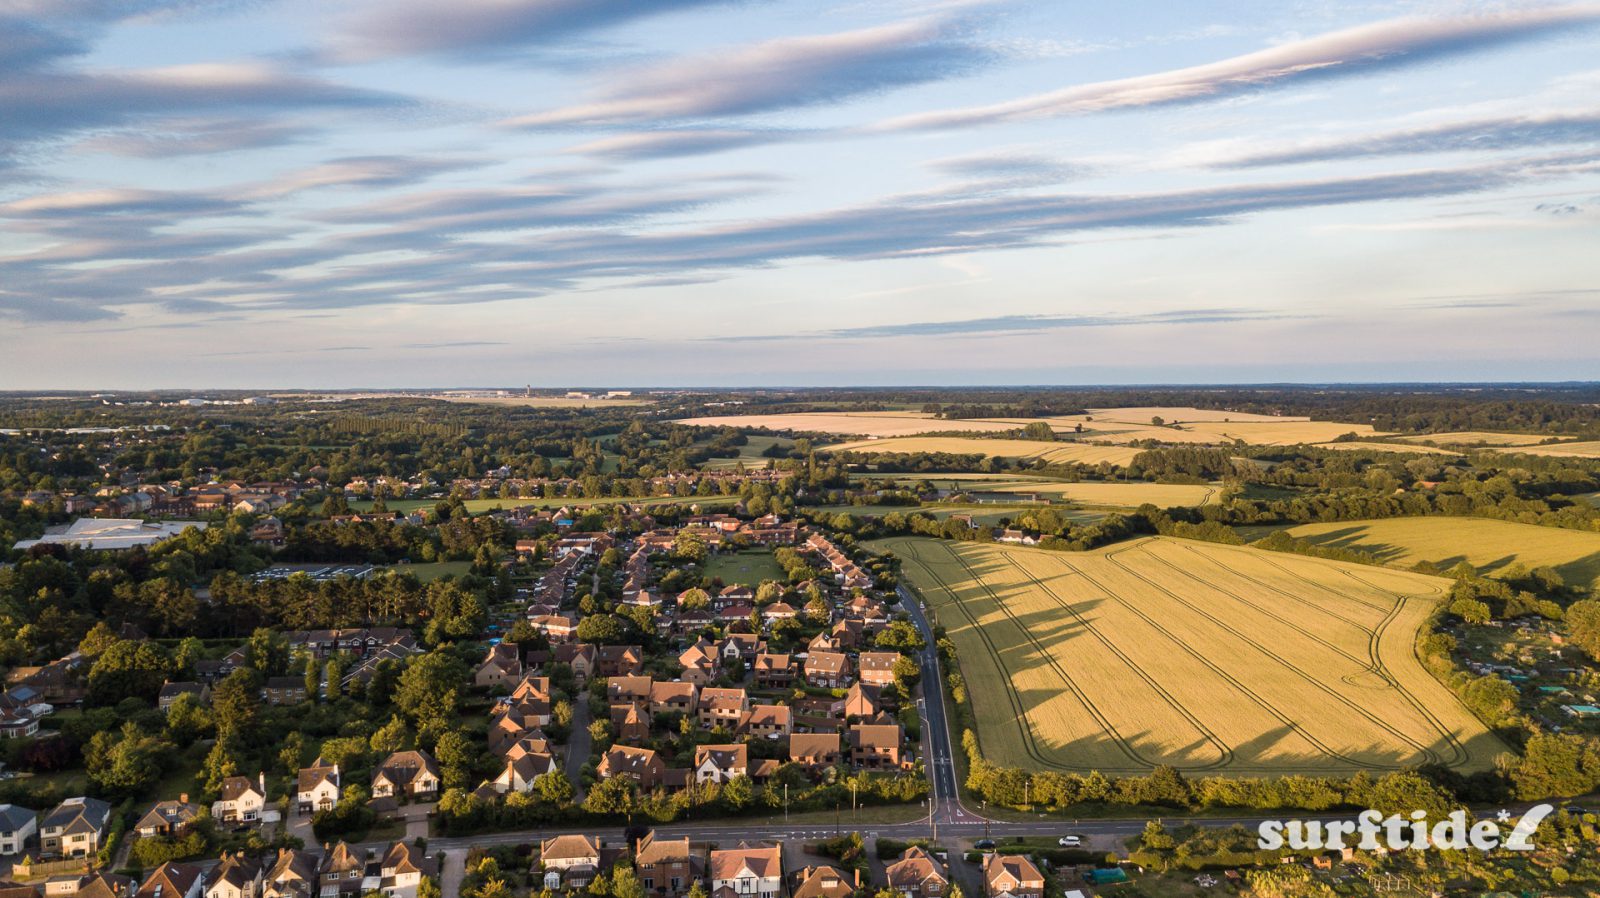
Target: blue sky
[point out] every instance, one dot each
(686, 192)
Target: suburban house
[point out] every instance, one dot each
(501, 667)
(747, 870)
(672, 697)
(667, 867)
(1011, 876)
(722, 706)
(877, 668)
(827, 670)
(876, 746)
(578, 656)
(319, 787)
(862, 702)
(699, 663)
(170, 692)
(173, 880)
(284, 690)
(167, 818)
(642, 765)
(402, 869)
(241, 801)
(814, 751)
(574, 859)
(235, 876)
(293, 875)
(17, 825)
(774, 671)
(413, 774)
(918, 874)
(342, 872)
(521, 771)
(822, 882)
(619, 660)
(766, 721)
(720, 763)
(74, 828)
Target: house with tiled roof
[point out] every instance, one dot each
(918, 874)
(722, 706)
(814, 751)
(774, 671)
(414, 774)
(241, 801)
(17, 826)
(668, 868)
(748, 871)
(236, 875)
(173, 880)
(876, 668)
(720, 763)
(318, 787)
(766, 722)
(74, 828)
(167, 818)
(828, 670)
(1011, 876)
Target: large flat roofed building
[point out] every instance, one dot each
(109, 534)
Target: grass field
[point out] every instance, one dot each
(1210, 658)
(434, 570)
(749, 567)
(1490, 546)
(1029, 449)
(749, 453)
(981, 514)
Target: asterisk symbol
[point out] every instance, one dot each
(1504, 816)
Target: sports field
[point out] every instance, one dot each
(1210, 658)
(1029, 449)
(1490, 546)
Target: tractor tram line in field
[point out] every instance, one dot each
(1314, 681)
(1378, 717)
(1025, 723)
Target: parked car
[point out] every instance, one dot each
(1070, 841)
(984, 844)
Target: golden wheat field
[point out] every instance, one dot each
(1403, 448)
(1206, 657)
(1490, 546)
(871, 424)
(1474, 438)
(1081, 453)
(1590, 449)
(1127, 495)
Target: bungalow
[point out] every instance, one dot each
(720, 763)
(318, 788)
(411, 773)
(748, 870)
(167, 818)
(1011, 876)
(827, 670)
(877, 668)
(918, 874)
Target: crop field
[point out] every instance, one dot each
(1114, 493)
(1590, 449)
(1082, 453)
(1406, 448)
(871, 424)
(1473, 438)
(1210, 658)
(981, 514)
(1490, 546)
(749, 454)
(545, 401)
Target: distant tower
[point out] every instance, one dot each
(528, 391)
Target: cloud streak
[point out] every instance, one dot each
(1366, 48)
(1485, 134)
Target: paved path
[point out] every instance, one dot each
(578, 744)
(452, 872)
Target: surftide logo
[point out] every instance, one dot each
(1371, 831)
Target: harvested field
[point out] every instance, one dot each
(871, 424)
(989, 515)
(1081, 453)
(1589, 449)
(1214, 659)
(1490, 546)
(1125, 495)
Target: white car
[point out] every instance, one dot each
(1069, 841)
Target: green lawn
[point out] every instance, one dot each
(434, 570)
(749, 453)
(749, 567)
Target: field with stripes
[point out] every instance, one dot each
(1211, 658)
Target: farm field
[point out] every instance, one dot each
(1408, 448)
(1214, 659)
(989, 515)
(1490, 546)
(1122, 495)
(1029, 449)
(1589, 449)
(748, 567)
(872, 424)
(545, 401)
(479, 506)
(1473, 438)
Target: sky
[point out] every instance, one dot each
(410, 193)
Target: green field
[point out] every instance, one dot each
(1490, 546)
(981, 514)
(747, 566)
(749, 454)
(1209, 658)
(433, 570)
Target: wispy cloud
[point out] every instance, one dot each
(381, 29)
(1389, 43)
(1482, 134)
(783, 73)
(1013, 325)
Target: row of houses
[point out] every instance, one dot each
(408, 775)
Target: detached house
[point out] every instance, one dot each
(814, 751)
(74, 828)
(17, 825)
(700, 663)
(318, 787)
(877, 668)
(876, 746)
(342, 872)
(667, 868)
(241, 802)
(574, 859)
(720, 763)
(747, 871)
(642, 765)
(173, 880)
(167, 818)
(413, 774)
(236, 876)
(501, 667)
(722, 706)
(402, 868)
(774, 671)
(918, 874)
(827, 670)
(1011, 876)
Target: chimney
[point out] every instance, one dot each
(183, 798)
(858, 878)
(261, 780)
